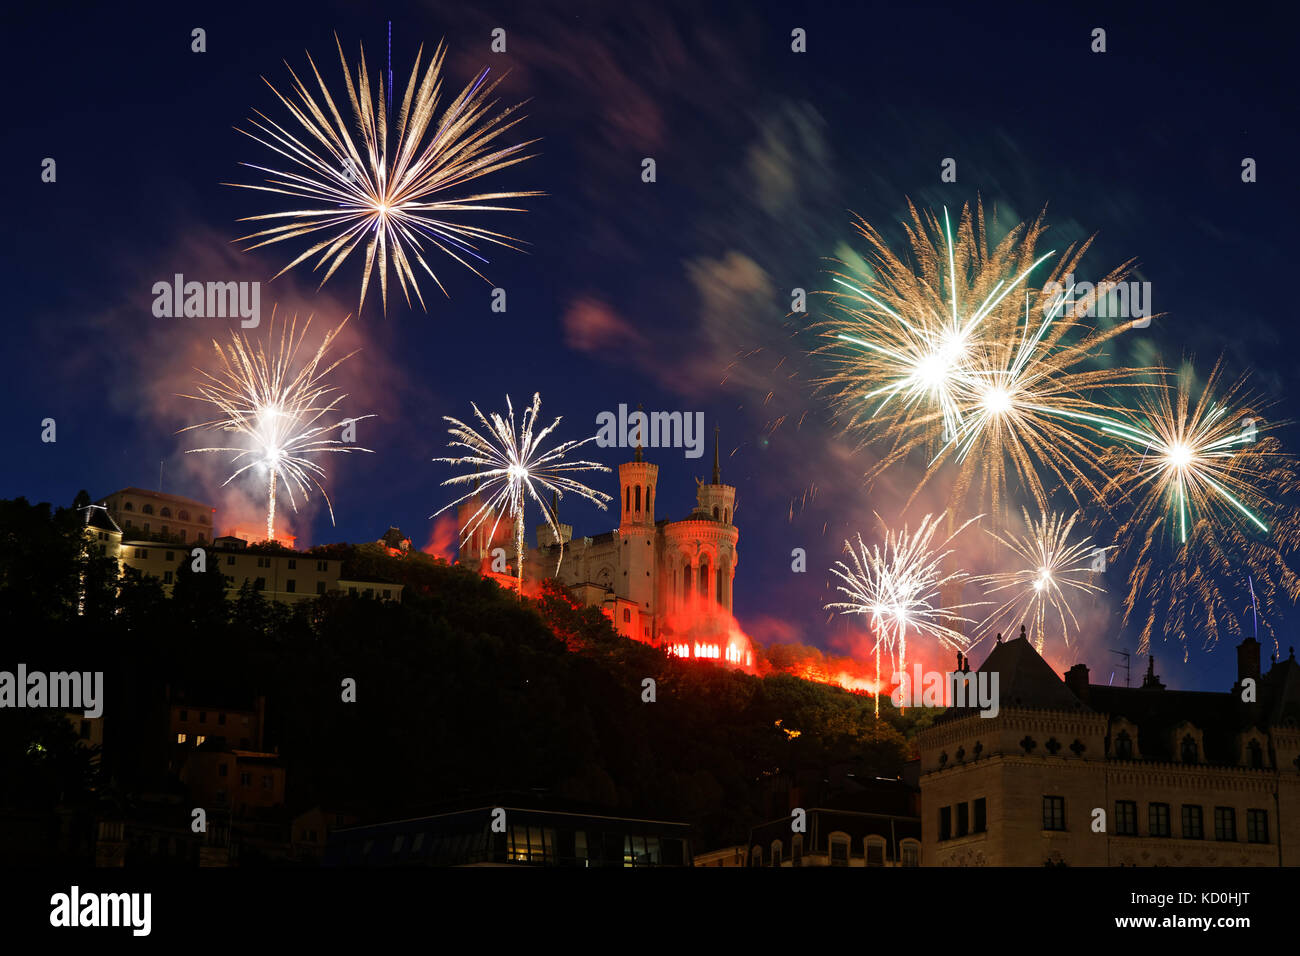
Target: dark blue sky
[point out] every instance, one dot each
(632, 292)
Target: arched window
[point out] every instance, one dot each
(627, 506)
(756, 856)
(128, 507)
(796, 859)
(184, 515)
(1256, 755)
(911, 852)
(1189, 749)
(875, 851)
(686, 583)
(638, 497)
(203, 519)
(648, 491)
(704, 577)
(715, 512)
(147, 509)
(776, 853)
(166, 512)
(1124, 746)
(627, 616)
(726, 515)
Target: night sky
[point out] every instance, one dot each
(672, 294)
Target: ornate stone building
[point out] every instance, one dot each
(667, 583)
(1080, 774)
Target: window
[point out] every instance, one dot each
(146, 527)
(268, 781)
(221, 719)
(147, 510)
(183, 515)
(1189, 749)
(1123, 746)
(839, 851)
(198, 740)
(259, 584)
(1193, 822)
(756, 856)
(963, 819)
(1053, 813)
(245, 779)
(293, 564)
(171, 555)
(291, 585)
(203, 716)
(167, 577)
(388, 594)
(981, 815)
(945, 823)
(796, 858)
(1126, 817)
(203, 519)
(320, 587)
(911, 853)
(185, 715)
(166, 512)
(181, 738)
(1225, 824)
(322, 565)
(230, 559)
(876, 850)
(627, 616)
(128, 507)
(263, 562)
(1257, 826)
(776, 853)
(1158, 820)
(223, 770)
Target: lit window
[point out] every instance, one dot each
(180, 738)
(198, 740)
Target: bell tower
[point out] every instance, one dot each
(637, 480)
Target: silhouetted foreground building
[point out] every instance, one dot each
(521, 837)
(880, 825)
(1080, 774)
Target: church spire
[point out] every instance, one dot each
(717, 470)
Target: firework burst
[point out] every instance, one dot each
(1051, 570)
(509, 469)
(279, 402)
(942, 357)
(1200, 471)
(396, 190)
(897, 586)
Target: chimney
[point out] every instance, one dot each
(1247, 661)
(1076, 678)
(1151, 681)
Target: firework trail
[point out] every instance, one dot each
(391, 189)
(280, 405)
(509, 466)
(1201, 473)
(960, 358)
(896, 585)
(1051, 569)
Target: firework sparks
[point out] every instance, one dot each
(896, 585)
(391, 189)
(1202, 470)
(1052, 569)
(942, 357)
(281, 406)
(509, 468)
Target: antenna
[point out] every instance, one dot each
(1127, 666)
(160, 467)
(1254, 608)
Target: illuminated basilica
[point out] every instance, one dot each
(666, 583)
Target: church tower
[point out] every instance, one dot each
(637, 480)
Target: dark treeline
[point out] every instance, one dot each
(461, 691)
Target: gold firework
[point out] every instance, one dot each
(393, 190)
(959, 356)
(1202, 469)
